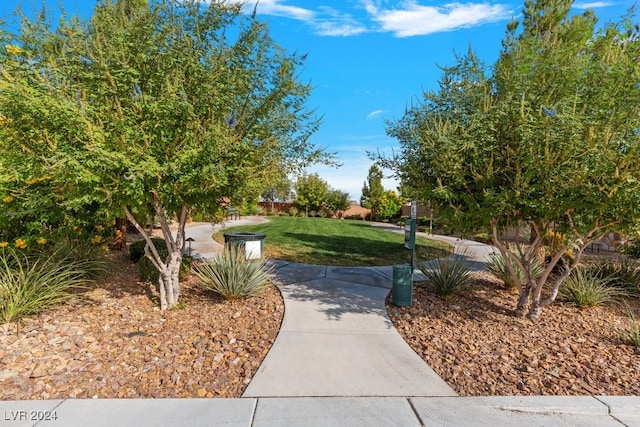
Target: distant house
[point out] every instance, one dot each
(422, 210)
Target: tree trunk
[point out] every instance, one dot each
(523, 301)
(169, 268)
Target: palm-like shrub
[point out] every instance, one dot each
(497, 265)
(445, 276)
(29, 286)
(585, 289)
(234, 276)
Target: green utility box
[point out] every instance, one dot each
(410, 234)
(402, 289)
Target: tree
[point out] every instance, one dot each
(280, 189)
(311, 192)
(372, 190)
(390, 205)
(549, 139)
(337, 201)
(156, 106)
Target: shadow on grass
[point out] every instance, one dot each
(351, 250)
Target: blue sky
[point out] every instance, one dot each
(368, 60)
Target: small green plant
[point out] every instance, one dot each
(293, 211)
(234, 276)
(498, 266)
(31, 285)
(623, 273)
(483, 238)
(445, 276)
(585, 289)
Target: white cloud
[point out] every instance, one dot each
(407, 19)
(592, 5)
(415, 19)
(374, 114)
(277, 8)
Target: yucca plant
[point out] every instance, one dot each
(445, 276)
(497, 265)
(29, 286)
(234, 276)
(585, 289)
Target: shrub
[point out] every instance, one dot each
(322, 214)
(284, 214)
(483, 238)
(233, 276)
(498, 266)
(29, 286)
(623, 274)
(293, 211)
(136, 249)
(445, 276)
(632, 336)
(585, 289)
(632, 248)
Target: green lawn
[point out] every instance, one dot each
(336, 242)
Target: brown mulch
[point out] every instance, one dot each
(114, 342)
(474, 342)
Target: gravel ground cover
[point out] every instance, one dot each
(478, 347)
(113, 342)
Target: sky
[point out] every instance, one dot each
(369, 60)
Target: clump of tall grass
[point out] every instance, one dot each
(497, 265)
(585, 289)
(29, 285)
(234, 276)
(621, 273)
(447, 275)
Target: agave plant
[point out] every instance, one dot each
(234, 276)
(446, 276)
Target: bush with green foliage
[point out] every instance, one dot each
(234, 276)
(483, 238)
(136, 249)
(585, 289)
(29, 285)
(448, 275)
(498, 266)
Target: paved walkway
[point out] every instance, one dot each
(337, 361)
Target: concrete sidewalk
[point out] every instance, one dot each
(337, 340)
(536, 411)
(337, 361)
